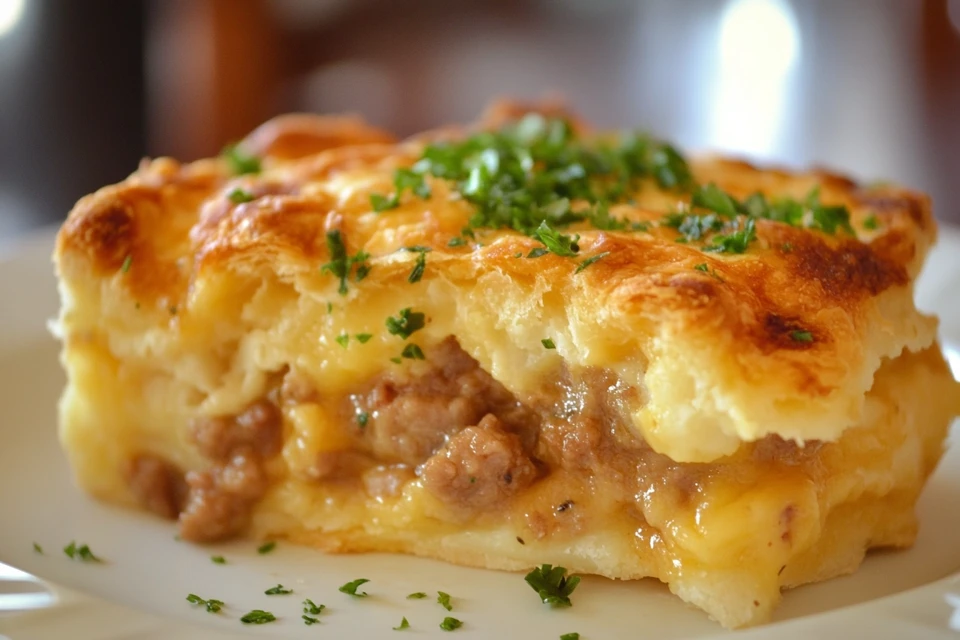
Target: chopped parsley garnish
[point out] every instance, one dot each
(403, 625)
(537, 171)
(309, 606)
(213, 606)
(552, 584)
(37, 548)
(341, 264)
(363, 418)
(589, 261)
(443, 599)
(801, 336)
(713, 198)
(871, 223)
(403, 180)
(307, 620)
(127, 263)
(258, 616)
(730, 225)
(239, 196)
(412, 352)
(406, 324)
(556, 242)
(381, 202)
(80, 552)
(239, 161)
(278, 590)
(218, 560)
(535, 176)
(570, 636)
(693, 226)
(450, 624)
(420, 265)
(705, 268)
(351, 588)
(343, 339)
(548, 343)
(735, 242)
(363, 338)
(419, 595)
(266, 547)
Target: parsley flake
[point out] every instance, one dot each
(258, 616)
(589, 261)
(239, 196)
(312, 608)
(416, 274)
(406, 324)
(403, 180)
(693, 226)
(240, 162)
(351, 588)
(548, 343)
(457, 242)
(127, 263)
(556, 242)
(343, 339)
(213, 606)
(218, 560)
(412, 352)
(443, 599)
(713, 198)
(552, 584)
(307, 620)
(419, 595)
(735, 242)
(80, 552)
(381, 202)
(403, 625)
(266, 547)
(570, 636)
(871, 223)
(37, 548)
(278, 590)
(341, 264)
(801, 336)
(363, 338)
(450, 624)
(536, 253)
(363, 418)
(702, 267)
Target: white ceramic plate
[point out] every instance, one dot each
(895, 595)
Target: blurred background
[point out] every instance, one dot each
(871, 87)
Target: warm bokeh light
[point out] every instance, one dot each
(759, 50)
(11, 11)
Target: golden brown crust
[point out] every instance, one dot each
(177, 225)
(298, 135)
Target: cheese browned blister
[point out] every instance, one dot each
(732, 424)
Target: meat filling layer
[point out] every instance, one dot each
(472, 444)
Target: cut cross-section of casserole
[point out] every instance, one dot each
(517, 343)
